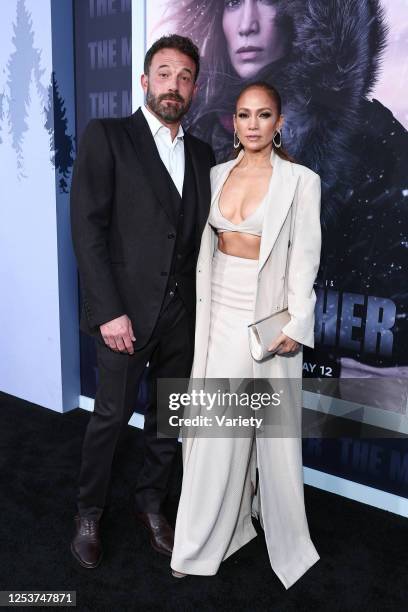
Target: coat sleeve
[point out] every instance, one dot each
(91, 207)
(304, 253)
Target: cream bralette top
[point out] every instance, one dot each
(250, 225)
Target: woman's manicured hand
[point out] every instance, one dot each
(283, 345)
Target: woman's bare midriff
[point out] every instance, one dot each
(239, 244)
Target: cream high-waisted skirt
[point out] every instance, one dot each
(214, 514)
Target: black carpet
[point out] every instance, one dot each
(364, 551)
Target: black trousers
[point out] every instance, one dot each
(169, 353)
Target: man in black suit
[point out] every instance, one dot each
(139, 201)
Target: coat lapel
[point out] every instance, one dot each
(280, 197)
(149, 158)
(222, 175)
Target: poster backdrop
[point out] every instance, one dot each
(37, 266)
(341, 69)
(103, 67)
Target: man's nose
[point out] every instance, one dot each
(173, 83)
(249, 23)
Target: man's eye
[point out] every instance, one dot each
(163, 74)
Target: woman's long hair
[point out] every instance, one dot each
(276, 99)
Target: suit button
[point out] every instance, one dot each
(179, 256)
(171, 235)
(171, 293)
(163, 273)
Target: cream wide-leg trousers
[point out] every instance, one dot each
(214, 513)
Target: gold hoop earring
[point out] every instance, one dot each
(277, 144)
(237, 141)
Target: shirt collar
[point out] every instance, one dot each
(155, 125)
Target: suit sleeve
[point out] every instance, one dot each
(91, 205)
(304, 261)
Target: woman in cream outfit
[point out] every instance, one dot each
(241, 278)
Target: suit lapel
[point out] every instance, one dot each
(280, 197)
(149, 158)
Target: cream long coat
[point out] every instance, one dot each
(279, 460)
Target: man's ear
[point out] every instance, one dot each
(144, 80)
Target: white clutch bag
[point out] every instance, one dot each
(263, 332)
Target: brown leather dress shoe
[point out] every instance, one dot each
(161, 534)
(86, 545)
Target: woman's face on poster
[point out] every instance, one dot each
(253, 38)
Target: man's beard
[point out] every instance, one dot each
(168, 112)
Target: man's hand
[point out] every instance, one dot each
(118, 335)
(283, 345)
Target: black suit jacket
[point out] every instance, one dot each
(122, 221)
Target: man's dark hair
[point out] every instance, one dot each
(173, 41)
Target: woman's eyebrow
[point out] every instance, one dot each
(257, 110)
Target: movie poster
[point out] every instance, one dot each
(103, 78)
(342, 71)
